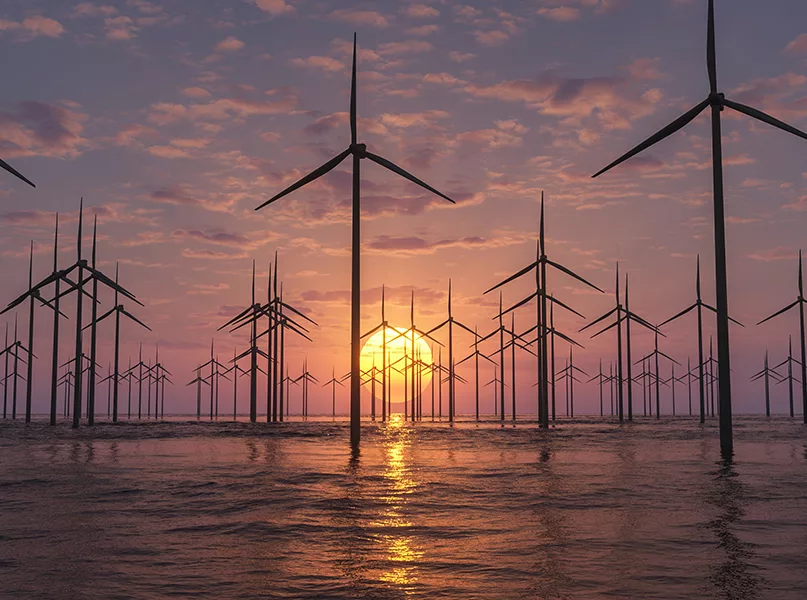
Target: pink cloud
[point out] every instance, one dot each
(38, 129)
(275, 7)
(230, 44)
(360, 17)
(33, 27)
(562, 13)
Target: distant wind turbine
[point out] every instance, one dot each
(799, 302)
(717, 102)
(765, 374)
(359, 152)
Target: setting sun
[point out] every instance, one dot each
(397, 346)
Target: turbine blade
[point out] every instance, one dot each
(566, 306)
(679, 315)
(611, 326)
(602, 318)
(523, 271)
(765, 118)
(517, 305)
(572, 274)
(373, 330)
(315, 174)
(776, 314)
(14, 171)
(353, 133)
(136, 320)
(711, 59)
(663, 133)
(406, 175)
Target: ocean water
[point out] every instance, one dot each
(233, 510)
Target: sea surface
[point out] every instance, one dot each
(231, 510)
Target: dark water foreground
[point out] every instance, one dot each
(226, 511)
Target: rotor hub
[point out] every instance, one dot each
(716, 99)
(359, 150)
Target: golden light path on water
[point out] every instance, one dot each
(402, 550)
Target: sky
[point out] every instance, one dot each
(174, 119)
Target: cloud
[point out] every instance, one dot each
(326, 63)
(275, 7)
(230, 44)
(644, 69)
(407, 47)
(219, 110)
(778, 253)
(421, 119)
(360, 17)
(460, 57)
(88, 9)
(177, 195)
(421, 11)
(604, 98)
(39, 129)
(213, 236)
(212, 254)
(798, 45)
(423, 30)
(196, 92)
(561, 13)
(120, 29)
(32, 27)
(37, 218)
(393, 246)
(491, 38)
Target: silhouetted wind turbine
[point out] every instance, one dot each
(118, 310)
(717, 102)
(450, 322)
(198, 380)
(333, 383)
(540, 294)
(621, 315)
(789, 361)
(476, 354)
(359, 152)
(699, 306)
(765, 374)
(600, 378)
(33, 294)
(382, 327)
(799, 302)
(656, 354)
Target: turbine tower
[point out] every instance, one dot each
(717, 102)
(358, 152)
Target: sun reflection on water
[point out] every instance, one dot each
(401, 550)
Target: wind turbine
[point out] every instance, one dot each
(765, 374)
(33, 294)
(699, 306)
(600, 378)
(800, 304)
(13, 171)
(199, 380)
(656, 354)
(476, 354)
(450, 322)
(333, 383)
(118, 310)
(622, 314)
(789, 361)
(410, 333)
(717, 102)
(382, 326)
(358, 152)
(540, 294)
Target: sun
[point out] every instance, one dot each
(398, 346)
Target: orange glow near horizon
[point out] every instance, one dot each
(399, 353)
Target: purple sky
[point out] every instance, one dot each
(174, 119)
